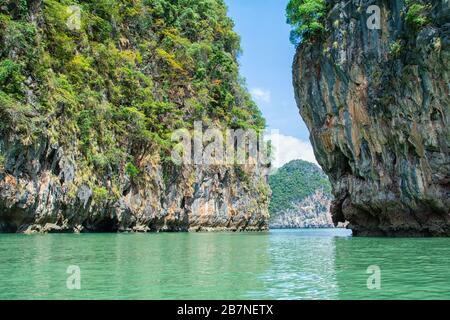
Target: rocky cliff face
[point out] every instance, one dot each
(377, 105)
(41, 194)
(311, 212)
(90, 92)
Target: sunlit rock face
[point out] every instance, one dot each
(199, 198)
(376, 103)
(311, 212)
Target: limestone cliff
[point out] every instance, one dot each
(90, 92)
(376, 101)
(311, 212)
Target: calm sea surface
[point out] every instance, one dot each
(294, 264)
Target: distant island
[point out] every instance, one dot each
(301, 197)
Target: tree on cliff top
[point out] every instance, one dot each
(306, 18)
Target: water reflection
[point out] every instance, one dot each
(133, 266)
(302, 266)
(410, 268)
(297, 264)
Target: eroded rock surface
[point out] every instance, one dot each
(41, 197)
(377, 105)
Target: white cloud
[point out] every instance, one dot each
(261, 95)
(289, 148)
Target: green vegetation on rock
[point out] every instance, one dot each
(396, 49)
(306, 18)
(417, 13)
(115, 88)
(2, 161)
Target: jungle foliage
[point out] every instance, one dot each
(117, 86)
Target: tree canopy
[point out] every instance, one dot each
(306, 18)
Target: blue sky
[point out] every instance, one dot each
(266, 63)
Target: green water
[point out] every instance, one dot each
(296, 264)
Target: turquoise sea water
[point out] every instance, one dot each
(280, 264)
